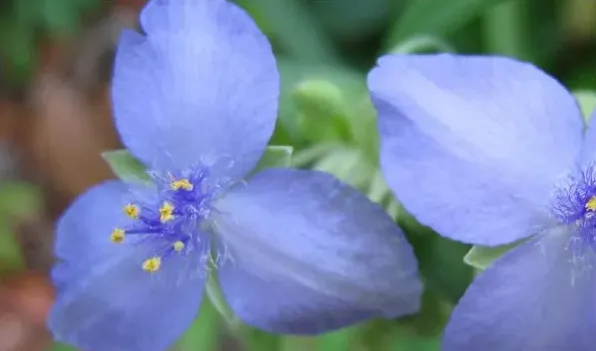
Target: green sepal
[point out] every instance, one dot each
(275, 156)
(481, 257)
(125, 166)
(586, 100)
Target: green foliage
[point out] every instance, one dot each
(435, 17)
(275, 156)
(17, 200)
(481, 257)
(326, 122)
(587, 103)
(23, 23)
(125, 166)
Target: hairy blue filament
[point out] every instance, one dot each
(575, 204)
(173, 217)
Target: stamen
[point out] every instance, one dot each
(166, 212)
(178, 246)
(591, 204)
(152, 264)
(132, 211)
(184, 184)
(117, 235)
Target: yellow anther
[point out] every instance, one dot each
(132, 211)
(117, 235)
(181, 184)
(178, 246)
(152, 264)
(591, 204)
(166, 212)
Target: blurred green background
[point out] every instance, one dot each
(55, 120)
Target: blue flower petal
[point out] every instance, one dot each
(201, 86)
(306, 254)
(540, 296)
(472, 145)
(118, 306)
(83, 231)
(105, 300)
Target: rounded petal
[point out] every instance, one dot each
(83, 231)
(471, 145)
(307, 254)
(202, 86)
(118, 306)
(105, 300)
(539, 296)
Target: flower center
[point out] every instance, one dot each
(575, 204)
(172, 217)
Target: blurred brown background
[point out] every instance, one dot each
(52, 131)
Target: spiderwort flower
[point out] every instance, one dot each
(296, 251)
(489, 151)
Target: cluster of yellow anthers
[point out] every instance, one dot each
(591, 204)
(166, 214)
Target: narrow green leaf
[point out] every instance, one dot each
(436, 18)
(125, 166)
(276, 156)
(482, 257)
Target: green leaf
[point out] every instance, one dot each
(275, 156)
(587, 102)
(204, 333)
(435, 17)
(125, 166)
(482, 257)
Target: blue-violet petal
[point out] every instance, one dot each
(200, 87)
(307, 254)
(539, 296)
(471, 145)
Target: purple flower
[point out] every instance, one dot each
(195, 99)
(490, 151)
